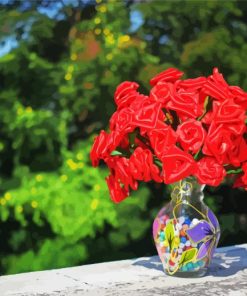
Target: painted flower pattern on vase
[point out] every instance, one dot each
(207, 233)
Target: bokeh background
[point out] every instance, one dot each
(60, 62)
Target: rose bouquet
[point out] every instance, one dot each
(192, 127)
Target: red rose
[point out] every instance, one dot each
(217, 143)
(238, 152)
(177, 165)
(162, 139)
(239, 96)
(117, 192)
(239, 182)
(124, 143)
(99, 148)
(185, 103)
(142, 167)
(194, 83)
(229, 113)
(191, 135)
(121, 121)
(161, 93)
(120, 168)
(103, 145)
(125, 93)
(224, 144)
(209, 171)
(169, 75)
(146, 113)
(114, 140)
(216, 87)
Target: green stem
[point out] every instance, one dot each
(158, 162)
(234, 171)
(197, 154)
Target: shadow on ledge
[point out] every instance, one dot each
(226, 261)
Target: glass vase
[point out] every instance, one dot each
(186, 232)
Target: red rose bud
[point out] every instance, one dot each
(162, 92)
(162, 139)
(239, 182)
(185, 102)
(125, 94)
(147, 115)
(210, 172)
(120, 168)
(194, 83)
(99, 148)
(239, 96)
(224, 144)
(191, 135)
(169, 75)
(142, 167)
(117, 192)
(216, 87)
(177, 165)
(121, 121)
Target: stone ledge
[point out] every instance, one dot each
(137, 277)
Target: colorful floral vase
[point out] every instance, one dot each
(186, 232)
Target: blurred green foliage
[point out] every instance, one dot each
(56, 92)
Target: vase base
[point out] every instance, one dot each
(190, 274)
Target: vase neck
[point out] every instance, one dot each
(187, 190)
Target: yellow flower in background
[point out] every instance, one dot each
(68, 76)
(34, 204)
(124, 38)
(71, 164)
(110, 39)
(94, 204)
(97, 20)
(102, 8)
(106, 31)
(71, 68)
(29, 109)
(2, 201)
(79, 156)
(19, 209)
(7, 196)
(97, 31)
(73, 57)
(39, 178)
(19, 110)
(64, 178)
(96, 187)
(109, 56)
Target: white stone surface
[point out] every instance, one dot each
(142, 276)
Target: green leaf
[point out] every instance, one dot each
(207, 106)
(170, 234)
(116, 152)
(132, 137)
(188, 256)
